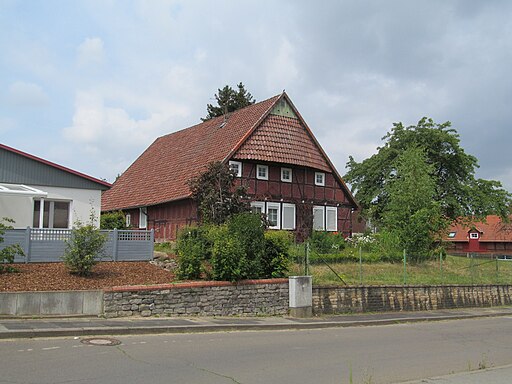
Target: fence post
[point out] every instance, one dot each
(441, 266)
(306, 260)
(114, 244)
(360, 266)
(151, 243)
(27, 245)
(405, 268)
(497, 271)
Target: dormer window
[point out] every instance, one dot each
(286, 175)
(474, 235)
(236, 167)
(319, 178)
(262, 172)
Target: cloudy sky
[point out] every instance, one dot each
(90, 84)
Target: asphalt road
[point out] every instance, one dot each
(376, 354)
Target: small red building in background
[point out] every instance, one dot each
(276, 156)
(491, 236)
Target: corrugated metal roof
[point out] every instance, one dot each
(17, 167)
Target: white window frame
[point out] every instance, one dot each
(258, 204)
(238, 165)
(474, 235)
(128, 219)
(51, 212)
(335, 211)
(320, 183)
(278, 207)
(143, 218)
(288, 205)
(319, 208)
(283, 179)
(261, 166)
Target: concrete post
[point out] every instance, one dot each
(115, 237)
(301, 296)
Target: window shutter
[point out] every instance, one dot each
(332, 219)
(318, 218)
(288, 216)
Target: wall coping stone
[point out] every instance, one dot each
(408, 286)
(192, 284)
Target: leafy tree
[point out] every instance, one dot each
(229, 100)
(8, 253)
(412, 214)
(216, 195)
(113, 220)
(457, 192)
(85, 248)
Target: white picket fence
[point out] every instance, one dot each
(48, 245)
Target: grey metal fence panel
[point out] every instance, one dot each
(48, 245)
(134, 245)
(12, 237)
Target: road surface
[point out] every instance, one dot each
(376, 354)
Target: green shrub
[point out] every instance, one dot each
(193, 247)
(229, 259)
(113, 220)
(84, 249)
(276, 256)
(250, 231)
(8, 253)
(327, 242)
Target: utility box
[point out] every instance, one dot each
(301, 296)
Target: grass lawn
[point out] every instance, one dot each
(455, 270)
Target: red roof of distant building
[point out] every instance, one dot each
(492, 230)
(160, 174)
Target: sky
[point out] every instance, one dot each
(91, 84)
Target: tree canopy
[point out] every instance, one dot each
(229, 100)
(216, 194)
(456, 190)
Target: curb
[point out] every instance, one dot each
(177, 329)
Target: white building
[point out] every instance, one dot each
(41, 194)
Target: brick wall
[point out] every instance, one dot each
(335, 299)
(249, 298)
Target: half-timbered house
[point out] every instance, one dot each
(288, 175)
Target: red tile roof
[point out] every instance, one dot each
(282, 139)
(160, 174)
(493, 230)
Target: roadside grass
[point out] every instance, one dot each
(454, 270)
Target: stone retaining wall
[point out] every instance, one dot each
(247, 298)
(336, 299)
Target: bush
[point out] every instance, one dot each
(84, 249)
(250, 231)
(113, 220)
(193, 247)
(276, 256)
(229, 259)
(8, 253)
(327, 242)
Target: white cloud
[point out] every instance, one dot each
(283, 69)
(27, 95)
(90, 52)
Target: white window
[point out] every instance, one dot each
(451, 235)
(236, 166)
(143, 218)
(286, 175)
(274, 215)
(331, 219)
(473, 235)
(319, 178)
(262, 172)
(128, 220)
(258, 207)
(288, 216)
(53, 214)
(318, 218)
